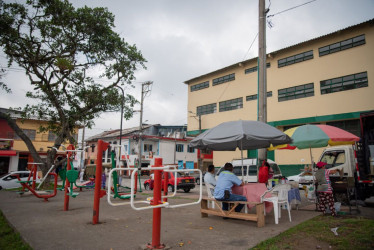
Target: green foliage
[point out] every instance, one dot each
(9, 239)
(73, 59)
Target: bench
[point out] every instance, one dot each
(258, 216)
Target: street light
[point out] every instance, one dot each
(120, 131)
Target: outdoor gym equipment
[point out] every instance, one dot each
(155, 202)
(71, 176)
(116, 185)
(33, 172)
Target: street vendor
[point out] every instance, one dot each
(226, 180)
(265, 173)
(324, 189)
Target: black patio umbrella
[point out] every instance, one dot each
(245, 135)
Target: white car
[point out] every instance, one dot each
(305, 178)
(8, 181)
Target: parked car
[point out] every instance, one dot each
(9, 180)
(250, 171)
(184, 182)
(197, 179)
(304, 178)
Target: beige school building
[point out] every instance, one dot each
(325, 80)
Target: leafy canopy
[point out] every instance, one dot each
(62, 49)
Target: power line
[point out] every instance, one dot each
(250, 47)
(290, 8)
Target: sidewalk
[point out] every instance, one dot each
(44, 225)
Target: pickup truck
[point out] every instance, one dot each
(184, 182)
(357, 161)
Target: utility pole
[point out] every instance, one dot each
(120, 129)
(262, 95)
(146, 88)
(82, 153)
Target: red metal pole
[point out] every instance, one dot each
(101, 146)
(67, 184)
(156, 225)
(35, 170)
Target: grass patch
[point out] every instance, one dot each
(353, 233)
(9, 239)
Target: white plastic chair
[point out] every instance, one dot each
(210, 190)
(280, 196)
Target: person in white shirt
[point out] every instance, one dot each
(209, 176)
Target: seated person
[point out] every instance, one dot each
(209, 176)
(222, 192)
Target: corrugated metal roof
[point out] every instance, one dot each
(283, 49)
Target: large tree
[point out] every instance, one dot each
(61, 48)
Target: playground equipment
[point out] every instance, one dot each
(32, 189)
(116, 185)
(71, 176)
(155, 202)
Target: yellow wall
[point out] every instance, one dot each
(41, 142)
(350, 61)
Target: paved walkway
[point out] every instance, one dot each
(44, 225)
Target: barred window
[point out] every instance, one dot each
(254, 69)
(206, 109)
(355, 81)
(224, 79)
(342, 45)
(51, 136)
(295, 59)
(231, 104)
(30, 133)
(254, 97)
(179, 147)
(190, 150)
(199, 86)
(296, 92)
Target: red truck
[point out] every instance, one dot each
(184, 182)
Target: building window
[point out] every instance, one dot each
(199, 86)
(355, 81)
(179, 147)
(231, 104)
(296, 92)
(190, 150)
(343, 45)
(30, 133)
(93, 148)
(254, 69)
(147, 147)
(295, 59)
(254, 97)
(206, 109)
(51, 136)
(224, 79)
(352, 126)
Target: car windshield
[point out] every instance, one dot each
(276, 170)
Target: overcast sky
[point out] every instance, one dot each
(185, 39)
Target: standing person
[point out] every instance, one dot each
(264, 173)
(222, 192)
(152, 177)
(209, 176)
(324, 189)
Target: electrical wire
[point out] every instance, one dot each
(250, 47)
(290, 8)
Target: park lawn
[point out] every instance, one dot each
(353, 233)
(9, 239)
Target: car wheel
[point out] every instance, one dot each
(170, 189)
(198, 181)
(146, 187)
(186, 190)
